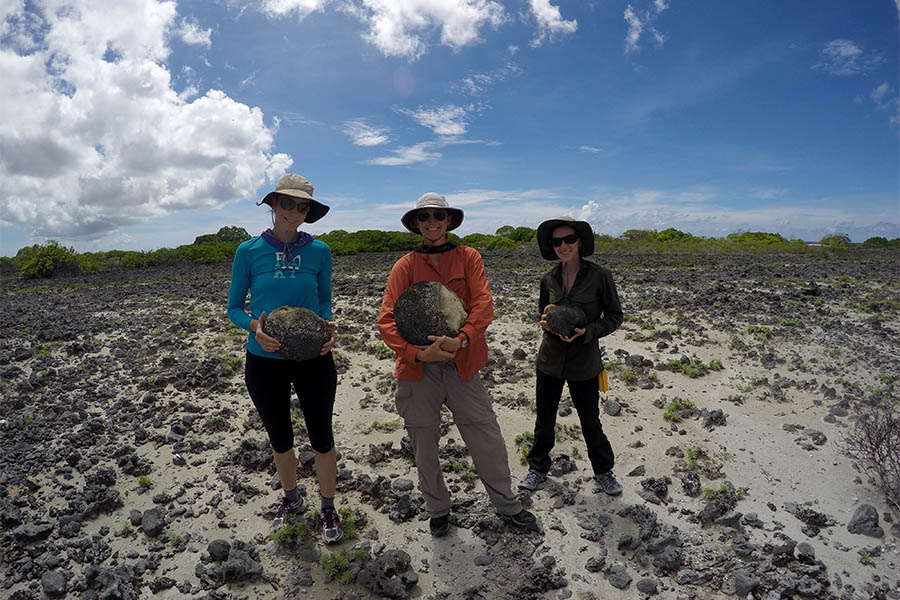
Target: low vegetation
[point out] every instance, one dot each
(51, 258)
(874, 443)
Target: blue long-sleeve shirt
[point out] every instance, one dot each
(275, 278)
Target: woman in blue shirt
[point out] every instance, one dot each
(284, 266)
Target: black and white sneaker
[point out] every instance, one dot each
(331, 525)
(287, 508)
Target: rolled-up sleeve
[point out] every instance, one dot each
(481, 311)
(398, 281)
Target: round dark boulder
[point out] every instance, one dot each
(300, 331)
(428, 308)
(565, 318)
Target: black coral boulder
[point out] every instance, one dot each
(564, 318)
(428, 308)
(300, 331)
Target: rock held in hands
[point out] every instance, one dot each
(428, 308)
(565, 318)
(300, 331)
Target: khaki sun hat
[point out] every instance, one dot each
(432, 200)
(297, 186)
(582, 228)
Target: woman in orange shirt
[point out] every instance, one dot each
(446, 371)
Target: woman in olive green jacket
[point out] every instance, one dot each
(587, 291)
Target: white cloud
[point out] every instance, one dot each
(303, 8)
(590, 149)
(881, 96)
(443, 120)
(640, 22)
(479, 83)
(712, 213)
(844, 57)
(402, 28)
(407, 155)
(363, 134)
(101, 139)
(550, 22)
(190, 33)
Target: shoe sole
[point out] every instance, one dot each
(335, 540)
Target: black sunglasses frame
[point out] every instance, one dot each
(439, 215)
(288, 203)
(572, 238)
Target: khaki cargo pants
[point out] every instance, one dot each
(419, 403)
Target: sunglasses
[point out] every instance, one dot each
(570, 239)
(439, 215)
(288, 203)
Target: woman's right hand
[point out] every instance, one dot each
(544, 318)
(266, 342)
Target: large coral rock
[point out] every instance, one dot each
(428, 308)
(300, 331)
(564, 318)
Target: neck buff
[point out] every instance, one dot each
(436, 249)
(288, 249)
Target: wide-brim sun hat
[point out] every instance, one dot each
(582, 229)
(431, 200)
(297, 186)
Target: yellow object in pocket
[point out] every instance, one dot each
(603, 381)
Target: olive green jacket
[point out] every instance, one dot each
(594, 292)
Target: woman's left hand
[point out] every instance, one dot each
(579, 331)
(327, 346)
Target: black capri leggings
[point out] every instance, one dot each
(269, 382)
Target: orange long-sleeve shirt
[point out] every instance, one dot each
(460, 269)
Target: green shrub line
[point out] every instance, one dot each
(39, 261)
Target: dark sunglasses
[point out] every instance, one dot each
(439, 215)
(570, 239)
(288, 203)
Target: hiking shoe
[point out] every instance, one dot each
(608, 483)
(287, 508)
(532, 480)
(523, 518)
(439, 526)
(331, 525)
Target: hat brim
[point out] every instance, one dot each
(582, 229)
(409, 219)
(317, 210)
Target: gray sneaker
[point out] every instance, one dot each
(608, 483)
(532, 480)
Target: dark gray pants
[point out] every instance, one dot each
(419, 403)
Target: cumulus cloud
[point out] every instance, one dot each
(443, 120)
(843, 57)
(550, 22)
(363, 134)
(190, 33)
(407, 155)
(886, 101)
(403, 28)
(101, 139)
(302, 8)
(640, 22)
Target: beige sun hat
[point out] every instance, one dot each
(297, 186)
(431, 200)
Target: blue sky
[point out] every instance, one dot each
(142, 124)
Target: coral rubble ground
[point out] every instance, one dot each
(134, 466)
